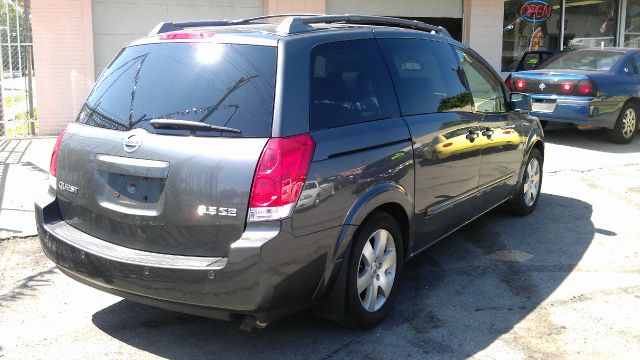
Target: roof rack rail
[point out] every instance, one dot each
(296, 23)
(164, 27)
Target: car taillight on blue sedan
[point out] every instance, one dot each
(586, 88)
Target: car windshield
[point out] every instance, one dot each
(589, 60)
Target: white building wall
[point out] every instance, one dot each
(482, 28)
(117, 23)
(410, 8)
(62, 46)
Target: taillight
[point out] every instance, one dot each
(447, 144)
(279, 177)
(566, 87)
(187, 35)
(586, 87)
(53, 165)
(520, 84)
(508, 82)
(507, 132)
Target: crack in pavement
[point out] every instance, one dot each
(553, 172)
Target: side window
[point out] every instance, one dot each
(426, 75)
(636, 60)
(486, 90)
(631, 67)
(349, 84)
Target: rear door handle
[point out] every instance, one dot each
(487, 132)
(472, 135)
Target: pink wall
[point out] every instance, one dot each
(63, 59)
(294, 6)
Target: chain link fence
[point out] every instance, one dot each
(18, 114)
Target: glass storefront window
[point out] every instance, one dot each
(590, 23)
(535, 26)
(632, 24)
(529, 25)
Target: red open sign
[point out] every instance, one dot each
(536, 10)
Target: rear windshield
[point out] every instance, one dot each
(590, 60)
(219, 84)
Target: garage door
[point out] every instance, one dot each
(115, 23)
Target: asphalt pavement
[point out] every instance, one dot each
(561, 283)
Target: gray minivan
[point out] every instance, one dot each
(179, 184)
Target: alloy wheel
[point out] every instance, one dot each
(629, 123)
(376, 270)
(532, 181)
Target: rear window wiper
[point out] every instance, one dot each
(189, 125)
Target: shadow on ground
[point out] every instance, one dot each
(456, 298)
(28, 286)
(561, 134)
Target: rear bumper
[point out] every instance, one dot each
(268, 273)
(578, 110)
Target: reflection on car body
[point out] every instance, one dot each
(313, 193)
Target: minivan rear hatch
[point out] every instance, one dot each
(135, 171)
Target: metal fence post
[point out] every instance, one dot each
(28, 60)
(3, 123)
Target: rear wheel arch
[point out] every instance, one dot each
(632, 100)
(540, 146)
(398, 213)
(387, 197)
(391, 198)
(332, 293)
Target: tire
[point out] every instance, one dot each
(316, 201)
(526, 197)
(371, 234)
(626, 125)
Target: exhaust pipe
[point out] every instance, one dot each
(249, 322)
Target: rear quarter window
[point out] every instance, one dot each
(219, 84)
(349, 84)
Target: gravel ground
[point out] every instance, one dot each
(561, 283)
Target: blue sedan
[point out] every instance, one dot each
(595, 87)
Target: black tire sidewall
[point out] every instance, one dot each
(357, 315)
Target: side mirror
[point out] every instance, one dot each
(520, 102)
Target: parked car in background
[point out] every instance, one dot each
(530, 60)
(180, 184)
(595, 87)
(313, 193)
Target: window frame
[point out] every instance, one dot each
(393, 71)
(489, 70)
(635, 62)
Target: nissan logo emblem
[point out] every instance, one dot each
(131, 143)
